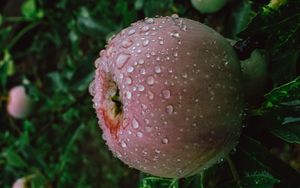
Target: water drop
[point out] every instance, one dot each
(131, 32)
(165, 140)
(123, 144)
(128, 95)
(145, 28)
(166, 94)
(141, 88)
(161, 42)
(174, 16)
(127, 43)
(130, 69)
(150, 80)
(143, 71)
(139, 134)
(135, 123)
(194, 124)
(92, 88)
(174, 34)
(122, 59)
(175, 54)
(146, 42)
(169, 109)
(151, 95)
(128, 80)
(141, 61)
(157, 69)
(149, 20)
(184, 75)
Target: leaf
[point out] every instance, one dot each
(153, 182)
(277, 27)
(89, 26)
(30, 10)
(1, 19)
(252, 156)
(289, 133)
(58, 81)
(6, 67)
(282, 94)
(261, 179)
(38, 181)
(14, 159)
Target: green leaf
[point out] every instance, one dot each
(6, 67)
(89, 26)
(289, 133)
(282, 94)
(153, 182)
(38, 181)
(14, 159)
(253, 156)
(1, 19)
(30, 10)
(278, 27)
(259, 180)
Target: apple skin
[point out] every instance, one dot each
(20, 183)
(19, 103)
(208, 6)
(180, 86)
(255, 74)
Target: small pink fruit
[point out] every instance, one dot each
(208, 6)
(20, 183)
(167, 92)
(19, 103)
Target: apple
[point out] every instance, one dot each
(168, 95)
(21, 183)
(208, 6)
(19, 103)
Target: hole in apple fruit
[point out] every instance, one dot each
(118, 104)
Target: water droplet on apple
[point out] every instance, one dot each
(141, 61)
(157, 69)
(135, 123)
(122, 59)
(166, 94)
(174, 34)
(169, 109)
(128, 80)
(130, 69)
(131, 32)
(146, 42)
(141, 88)
(123, 144)
(145, 28)
(128, 95)
(151, 95)
(150, 80)
(126, 43)
(149, 20)
(165, 140)
(139, 134)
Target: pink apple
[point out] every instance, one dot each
(20, 183)
(167, 92)
(19, 103)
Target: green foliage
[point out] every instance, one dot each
(279, 27)
(50, 46)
